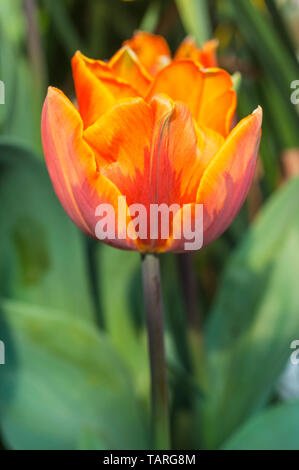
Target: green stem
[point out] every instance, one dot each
(196, 19)
(35, 49)
(155, 329)
(92, 247)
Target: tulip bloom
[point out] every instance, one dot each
(153, 131)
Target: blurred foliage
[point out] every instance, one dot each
(71, 311)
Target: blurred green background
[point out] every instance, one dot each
(71, 310)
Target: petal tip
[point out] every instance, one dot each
(257, 115)
(76, 57)
(53, 93)
(258, 112)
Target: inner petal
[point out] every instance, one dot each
(97, 87)
(125, 64)
(206, 55)
(208, 93)
(151, 49)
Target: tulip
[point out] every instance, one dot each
(150, 131)
(151, 139)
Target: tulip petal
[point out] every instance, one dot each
(187, 50)
(209, 142)
(219, 101)
(208, 93)
(187, 229)
(121, 136)
(152, 50)
(175, 156)
(72, 167)
(153, 153)
(183, 150)
(126, 65)
(226, 181)
(182, 81)
(152, 142)
(206, 55)
(97, 88)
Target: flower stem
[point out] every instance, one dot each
(155, 329)
(35, 49)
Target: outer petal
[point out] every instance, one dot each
(151, 49)
(208, 93)
(97, 88)
(205, 55)
(226, 181)
(72, 167)
(209, 143)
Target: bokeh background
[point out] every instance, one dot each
(71, 310)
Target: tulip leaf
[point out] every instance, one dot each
(64, 27)
(20, 97)
(151, 17)
(273, 55)
(90, 440)
(62, 378)
(277, 428)
(253, 319)
(41, 252)
(237, 81)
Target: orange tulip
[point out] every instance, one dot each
(154, 131)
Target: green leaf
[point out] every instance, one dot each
(248, 99)
(237, 81)
(41, 252)
(195, 18)
(273, 56)
(151, 17)
(283, 118)
(61, 380)
(253, 319)
(64, 27)
(12, 21)
(8, 76)
(90, 440)
(23, 101)
(275, 429)
(21, 98)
